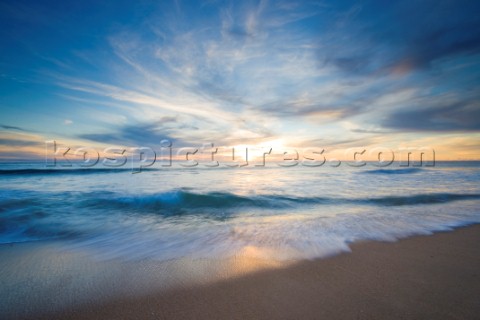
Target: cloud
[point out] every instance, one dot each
(180, 133)
(437, 30)
(311, 110)
(460, 116)
(234, 72)
(7, 127)
(406, 36)
(19, 143)
(248, 72)
(20, 155)
(136, 135)
(373, 131)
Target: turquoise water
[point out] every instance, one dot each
(283, 213)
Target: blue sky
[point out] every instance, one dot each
(330, 74)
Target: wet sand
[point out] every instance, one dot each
(424, 277)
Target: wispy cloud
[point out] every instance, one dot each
(238, 72)
(7, 127)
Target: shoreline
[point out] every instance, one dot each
(435, 276)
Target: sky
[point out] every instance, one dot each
(299, 74)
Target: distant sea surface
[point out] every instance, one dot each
(272, 212)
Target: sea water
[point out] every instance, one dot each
(281, 213)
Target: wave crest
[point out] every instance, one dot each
(394, 171)
(182, 199)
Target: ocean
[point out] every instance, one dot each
(280, 213)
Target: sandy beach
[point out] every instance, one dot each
(423, 277)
